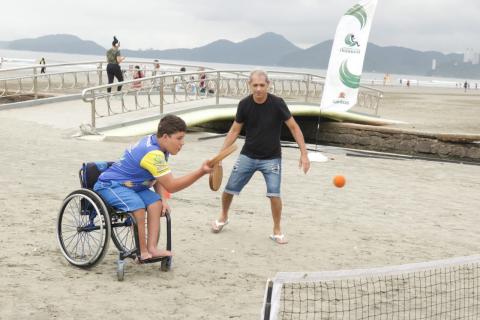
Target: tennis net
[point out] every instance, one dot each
(443, 289)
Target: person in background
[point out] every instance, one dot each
(156, 68)
(192, 86)
(203, 80)
(155, 72)
(137, 74)
(114, 58)
(180, 85)
(42, 62)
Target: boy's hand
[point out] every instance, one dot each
(165, 208)
(206, 168)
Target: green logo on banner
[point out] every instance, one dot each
(358, 12)
(349, 79)
(350, 40)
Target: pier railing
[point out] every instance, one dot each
(64, 78)
(157, 87)
(169, 89)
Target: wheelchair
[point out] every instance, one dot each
(85, 224)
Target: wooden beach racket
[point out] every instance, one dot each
(222, 155)
(216, 176)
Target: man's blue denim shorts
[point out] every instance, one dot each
(244, 169)
(123, 198)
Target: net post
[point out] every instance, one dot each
(267, 300)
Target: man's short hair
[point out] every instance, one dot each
(258, 73)
(171, 124)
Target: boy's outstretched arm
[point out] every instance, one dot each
(171, 184)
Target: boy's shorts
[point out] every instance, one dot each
(245, 167)
(123, 198)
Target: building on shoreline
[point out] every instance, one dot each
(471, 56)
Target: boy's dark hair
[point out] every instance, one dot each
(171, 124)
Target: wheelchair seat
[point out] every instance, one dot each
(90, 171)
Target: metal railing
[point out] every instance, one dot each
(159, 87)
(71, 77)
(158, 91)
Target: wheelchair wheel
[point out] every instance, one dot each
(122, 232)
(83, 228)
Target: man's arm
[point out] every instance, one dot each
(298, 136)
(120, 59)
(232, 134)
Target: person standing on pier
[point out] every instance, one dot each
(43, 63)
(114, 58)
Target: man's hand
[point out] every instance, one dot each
(304, 163)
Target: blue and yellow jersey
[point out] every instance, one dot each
(139, 165)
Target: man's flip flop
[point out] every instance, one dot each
(278, 238)
(217, 226)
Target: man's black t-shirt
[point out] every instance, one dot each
(263, 125)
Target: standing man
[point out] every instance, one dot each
(262, 114)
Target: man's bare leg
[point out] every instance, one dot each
(276, 205)
(227, 199)
(226, 202)
(154, 212)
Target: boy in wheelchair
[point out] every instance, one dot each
(126, 184)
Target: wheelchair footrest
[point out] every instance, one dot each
(153, 260)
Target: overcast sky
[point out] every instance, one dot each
(441, 25)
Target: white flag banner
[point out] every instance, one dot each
(346, 59)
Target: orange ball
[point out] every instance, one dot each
(339, 181)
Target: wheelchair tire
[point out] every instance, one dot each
(83, 228)
(122, 232)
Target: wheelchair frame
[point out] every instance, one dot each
(85, 224)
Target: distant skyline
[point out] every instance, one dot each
(445, 26)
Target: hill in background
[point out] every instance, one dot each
(270, 49)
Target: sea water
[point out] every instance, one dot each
(19, 58)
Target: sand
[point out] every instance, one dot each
(390, 212)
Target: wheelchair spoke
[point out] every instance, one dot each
(72, 242)
(122, 234)
(77, 213)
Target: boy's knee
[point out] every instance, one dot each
(139, 212)
(156, 206)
